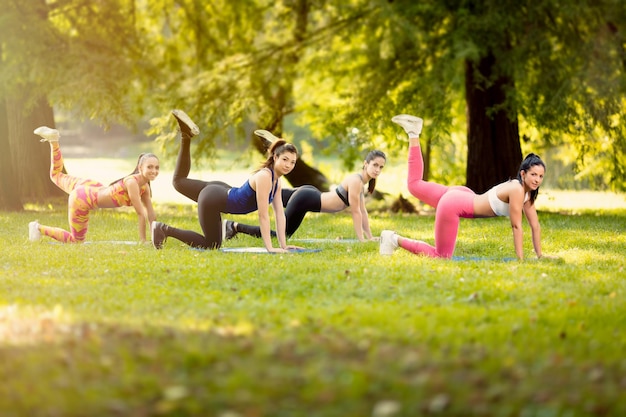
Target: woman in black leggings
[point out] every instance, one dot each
(215, 197)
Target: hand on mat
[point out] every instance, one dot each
(277, 250)
(293, 247)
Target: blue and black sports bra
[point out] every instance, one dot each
(242, 200)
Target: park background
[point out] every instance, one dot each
(114, 329)
(493, 81)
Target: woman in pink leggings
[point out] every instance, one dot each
(86, 195)
(510, 198)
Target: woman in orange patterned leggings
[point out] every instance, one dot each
(86, 195)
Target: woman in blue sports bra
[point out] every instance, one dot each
(216, 197)
(511, 198)
(301, 200)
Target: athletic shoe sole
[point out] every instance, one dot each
(266, 134)
(47, 134)
(186, 120)
(409, 123)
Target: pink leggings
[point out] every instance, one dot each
(83, 197)
(451, 203)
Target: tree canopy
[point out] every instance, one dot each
(532, 75)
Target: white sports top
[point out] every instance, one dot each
(499, 207)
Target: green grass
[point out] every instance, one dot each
(107, 330)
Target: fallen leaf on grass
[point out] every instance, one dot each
(386, 408)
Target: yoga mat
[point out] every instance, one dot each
(111, 242)
(313, 240)
(479, 258)
(263, 250)
(94, 242)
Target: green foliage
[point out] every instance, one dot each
(83, 56)
(566, 63)
(103, 329)
(339, 68)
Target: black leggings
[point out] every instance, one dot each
(211, 197)
(297, 202)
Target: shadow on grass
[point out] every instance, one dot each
(311, 370)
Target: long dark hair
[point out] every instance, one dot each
(371, 185)
(530, 161)
(278, 148)
(140, 160)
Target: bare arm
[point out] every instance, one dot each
(365, 220)
(263, 182)
(516, 202)
(132, 187)
(147, 203)
(281, 222)
(535, 229)
(355, 198)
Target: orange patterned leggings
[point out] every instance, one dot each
(83, 197)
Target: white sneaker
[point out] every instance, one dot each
(266, 134)
(33, 231)
(412, 125)
(185, 123)
(47, 134)
(387, 243)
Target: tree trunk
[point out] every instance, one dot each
(426, 150)
(302, 173)
(9, 195)
(30, 174)
(493, 142)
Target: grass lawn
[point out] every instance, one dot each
(107, 329)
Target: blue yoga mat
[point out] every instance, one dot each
(98, 242)
(481, 258)
(313, 240)
(112, 242)
(263, 250)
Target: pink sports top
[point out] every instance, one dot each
(119, 192)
